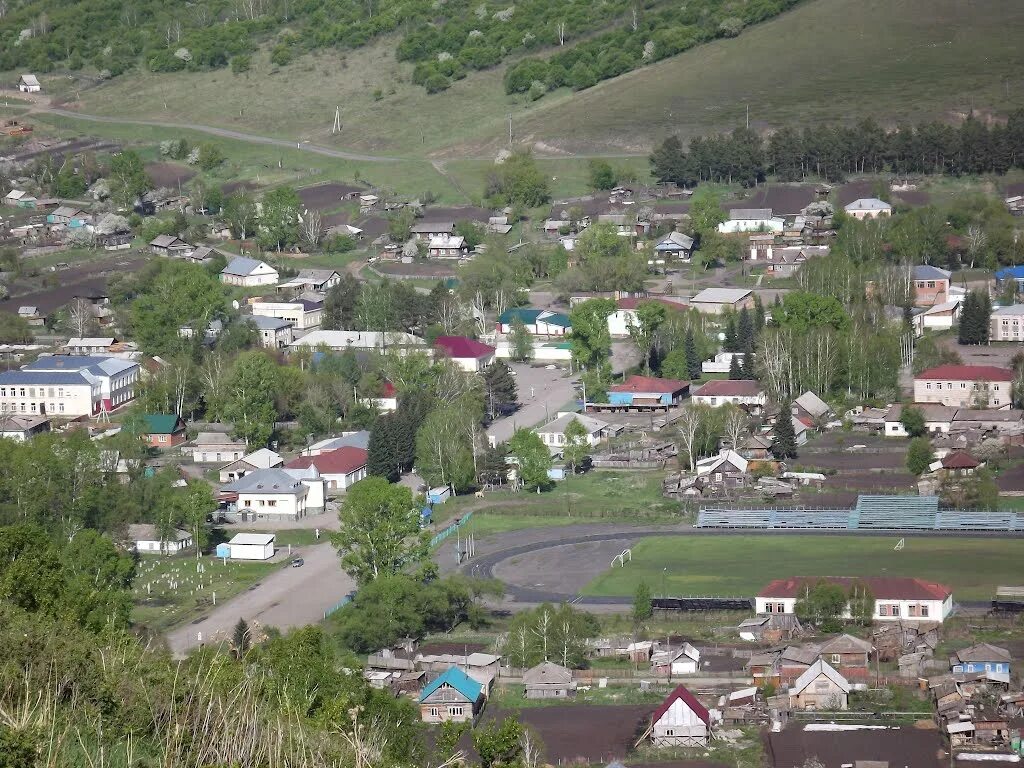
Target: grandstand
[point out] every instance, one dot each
(880, 513)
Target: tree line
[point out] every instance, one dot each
(832, 152)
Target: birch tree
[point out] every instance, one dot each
(688, 427)
(735, 426)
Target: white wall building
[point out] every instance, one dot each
(215, 448)
(68, 385)
(248, 273)
(251, 546)
(270, 493)
(146, 540)
(274, 332)
(301, 313)
(896, 598)
(751, 220)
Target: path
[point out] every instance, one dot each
(542, 393)
(288, 598)
(223, 133)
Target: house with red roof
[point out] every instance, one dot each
(743, 392)
(896, 598)
(386, 401)
(644, 393)
(339, 469)
(469, 354)
(625, 314)
(965, 386)
(681, 721)
(956, 463)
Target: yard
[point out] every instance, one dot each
(741, 565)
(172, 590)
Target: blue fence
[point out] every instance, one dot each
(344, 601)
(442, 535)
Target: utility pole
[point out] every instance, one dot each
(336, 128)
(510, 129)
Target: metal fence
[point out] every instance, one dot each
(452, 528)
(337, 607)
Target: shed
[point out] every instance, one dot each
(251, 546)
(548, 680)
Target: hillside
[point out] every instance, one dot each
(824, 60)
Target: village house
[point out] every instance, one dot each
(751, 220)
(275, 494)
(727, 470)
(625, 315)
(452, 697)
(447, 247)
(91, 345)
(69, 386)
(1007, 323)
(71, 217)
(146, 539)
(896, 598)
(264, 458)
(303, 314)
(742, 392)
(340, 468)
(468, 354)
(274, 332)
(339, 341)
(846, 651)
(22, 428)
(29, 84)
(937, 419)
(248, 273)
(868, 208)
(548, 680)
(163, 430)
(714, 301)
(931, 285)
(538, 322)
(673, 247)
(965, 386)
(552, 434)
(810, 407)
(955, 464)
(202, 254)
(684, 660)
(215, 448)
(644, 393)
(429, 230)
(820, 688)
(169, 245)
(940, 317)
(983, 657)
(20, 199)
(386, 401)
(360, 439)
(756, 448)
(681, 721)
(319, 280)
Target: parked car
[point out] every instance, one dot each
(298, 562)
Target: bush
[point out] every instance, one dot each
(240, 64)
(210, 156)
(581, 77)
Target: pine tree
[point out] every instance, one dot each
(731, 343)
(784, 446)
(692, 357)
(734, 368)
(966, 329)
(759, 316)
(381, 453)
(747, 369)
(500, 391)
(745, 332)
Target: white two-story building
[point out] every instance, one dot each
(68, 385)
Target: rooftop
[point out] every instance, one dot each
(339, 461)
(720, 296)
(869, 204)
(461, 347)
(966, 373)
(885, 587)
(649, 384)
(267, 481)
(729, 388)
(458, 680)
(750, 214)
(260, 539)
(682, 693)
(240, 266)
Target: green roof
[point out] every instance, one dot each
(530, 315)
(161, 423)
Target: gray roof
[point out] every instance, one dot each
(547, 673)
(267, 481)
(263, 323)
(813, 672)
(42, 378)
(147, 532)
(216, 438)
(721, 295)
(674, 241)
(359, 439)
(316, 275)
(93, 364)
(432, 226)
(813, 404)
(846, 644)
(241, 266)
(1013, 309)
(560, 424)
(983, 652)
(928, 272)
(750, 214)
(868, 204)
(30, 80)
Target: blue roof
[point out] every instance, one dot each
(70, 362)
(458, 680)
(928, 272)
(41, 378)
(1015, 273)
(529, 315)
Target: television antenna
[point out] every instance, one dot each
(900, 545)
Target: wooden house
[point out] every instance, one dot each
(453, 696)
(820, 687)
(681, 721)
(846, 651)
(548, 681)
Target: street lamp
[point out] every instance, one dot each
(664, 576)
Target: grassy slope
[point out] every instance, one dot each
(827, 59)
(742, 565)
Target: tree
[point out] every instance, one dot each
(602, 175)
(822, 604)
(171, 294)
(975, 318)
(382, 451)
(784, 445)
(445, 450)
(240, 214)
(693, 366)
(642, 608)
(913, 421)
(380, 530)
(498, 744)
(500, 390)
(279, 224)
(520, 341)
(590, 338)
(241, 639)
(128, 179)
(861, 602)
(250, 397)
(576, 448)
(802, 311)
(706, 211)
(650, 316)
(919, 455)
(735, 373)
(518, 181)
(532, 458)
(340, 304)
(688, 426)
(735, 426)
(975, 491)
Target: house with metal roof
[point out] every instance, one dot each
(170, 245)
(868, 208)
(264, 458)
(452, 696)
(319, 280)
(983, 657)
(645, 393)
(965, 386)
(248, 273)
(821, 687)
(275, 494)
(548, 680)
(68, 385)
(275, 332)
(163, 430)
(301, 313)
(538, 322)
(340, 468)
(751, 220)
(552, 434)
(714, 301)
(468, 354)
(146, 539)
(29, 84)
(896, 598)
(680, 721)
(675, 246)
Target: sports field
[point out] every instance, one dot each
(742, 565)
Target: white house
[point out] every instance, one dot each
(22, 428)
(469, 354)
(250, 546)
(676, 661)
(248, 273)
(271, 493)
(215, 448)
(68, 385)
(264, 458)
(319, 280)
(29, 84)
(896, 598)
(868, 208)
(552, 434)
(625, 314)
(339, 341)
(714, 301)
(745, 392)
(301, 313)
(340, 468)
(751, 220)
(146, 539)
(722, 362)
(387, 402)
(274, 332)
(941, 317)
(675, 246)
(681, 721)
(820, 687)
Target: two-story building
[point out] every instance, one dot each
(1007, 323)
(274, 332)
(301, 313)
(931, 286)
(868, 208)
(68, 385)
(965, 386)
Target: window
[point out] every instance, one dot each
(163, 438)
(456, 711)
(821, 686)
(928, 385)
(836, 658)
(923, 611)
(670, 732)
(433, 711)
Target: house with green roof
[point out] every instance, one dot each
(163, 430)
(539, 322)
(454, 696)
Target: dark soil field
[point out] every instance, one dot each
(854, 460)
(426, 271)
(323, 197)
(783, 199)
(907, 747)
(88, 280)
(874, 482)
(460, 213)
(583, 733)
(168, 174)
(1011, 479)
(234, 186)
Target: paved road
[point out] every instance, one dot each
(541, 392)
(290, 597)
(224, 133)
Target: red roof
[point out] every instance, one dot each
(634, 303)
(966, 373)
(885, 587)
(960, 460)
(389, 389)
(730, 388)
(340, 461)
(463, 347)
(682, 693)
(649, 384)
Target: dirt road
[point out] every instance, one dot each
(290, 597)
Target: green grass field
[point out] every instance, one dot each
(742, 565)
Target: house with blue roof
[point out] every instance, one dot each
(538, 322)
(1016, 274)
(454, 696)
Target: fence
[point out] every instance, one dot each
(452, 528)
(337, 607)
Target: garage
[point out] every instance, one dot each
(251, 546)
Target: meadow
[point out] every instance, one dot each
(741, 565)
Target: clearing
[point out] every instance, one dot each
(742, 565)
